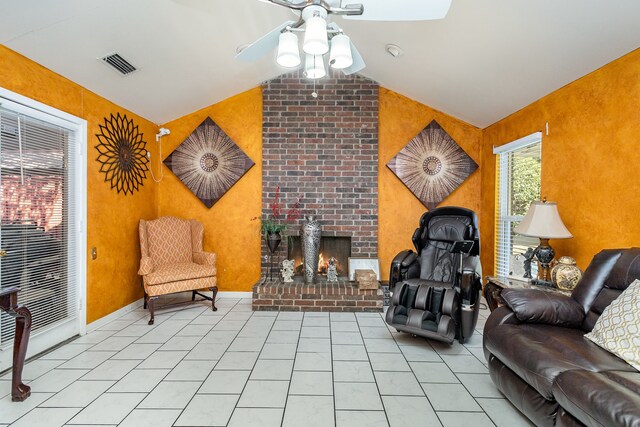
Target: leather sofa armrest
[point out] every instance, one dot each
(204, 258)
(535, 306)
(146, 266)
(500, 316)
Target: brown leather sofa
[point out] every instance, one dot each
(539, 359)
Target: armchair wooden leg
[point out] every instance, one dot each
(144, 303)
(213, 298)
(193, 296)
(150, 303)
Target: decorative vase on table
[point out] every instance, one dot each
(273, 241)
(566, 274)
(310, 237)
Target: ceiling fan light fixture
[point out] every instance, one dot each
(315, 36)
(314, 67)
(340, 56)
(288, 52)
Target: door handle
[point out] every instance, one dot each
(3, 253)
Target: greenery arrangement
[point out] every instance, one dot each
(526, 184)
(276, 221)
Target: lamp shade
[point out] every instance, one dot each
(314, 67)
(543, 221)
(340, 56)
(288, 52)
(315, 36)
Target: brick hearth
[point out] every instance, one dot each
(343, 296)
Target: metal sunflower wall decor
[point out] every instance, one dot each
(208, 162)
(432, 165)
(122, 154)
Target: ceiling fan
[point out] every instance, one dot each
(322, 37)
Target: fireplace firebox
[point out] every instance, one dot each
(338, 247)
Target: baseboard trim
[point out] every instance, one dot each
(234, 294)
(96, 324)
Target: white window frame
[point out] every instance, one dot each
(504, 221)
(22, 104)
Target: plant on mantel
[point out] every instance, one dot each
(275, 222)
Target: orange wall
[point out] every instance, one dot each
(229, 231)
(590, 160)
(112, 219)
(589, 167)
(399, 211)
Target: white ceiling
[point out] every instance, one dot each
(485, 60)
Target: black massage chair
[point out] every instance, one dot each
(436, 290)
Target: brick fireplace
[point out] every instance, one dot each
(324, 149)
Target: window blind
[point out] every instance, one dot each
(38, 215)
(518, 167)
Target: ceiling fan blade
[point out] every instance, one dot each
(358, 62)
(263, 45)
(401, 10)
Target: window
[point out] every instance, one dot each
(42, 212)
(518, 166)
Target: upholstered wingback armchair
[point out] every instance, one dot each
(173, 260)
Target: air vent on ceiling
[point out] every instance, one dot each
(118, 63)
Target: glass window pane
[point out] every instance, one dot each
(518, 185)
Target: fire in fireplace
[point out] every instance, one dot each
(330, 247)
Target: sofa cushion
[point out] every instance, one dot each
(178, 272)
(618, 327)
(609, 398)
(539, 353)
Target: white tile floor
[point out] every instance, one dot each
(235, 367)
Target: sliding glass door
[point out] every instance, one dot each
(42, 205)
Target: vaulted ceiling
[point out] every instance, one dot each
(485, 60)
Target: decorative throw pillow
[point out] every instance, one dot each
(618, 328)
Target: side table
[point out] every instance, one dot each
(495, 285)
(9, 304)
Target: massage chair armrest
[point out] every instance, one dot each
(146, 266)
(204, 258)
(404, 266)
(472, 264)
(537, 306)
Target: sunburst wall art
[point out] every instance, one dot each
(432, 165)
(122, 154)
(208, 162)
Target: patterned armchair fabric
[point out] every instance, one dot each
(173, 260)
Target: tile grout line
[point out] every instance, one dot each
(364, 344)
(217, 361)
(168, 373)
(411, 368)
(235, 406)
(295, 357)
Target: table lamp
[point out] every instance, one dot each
(543, 221)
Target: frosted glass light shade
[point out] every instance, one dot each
(543, 221)
(340, 56)
(288, 52)
(314, 67)
(315, 36)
